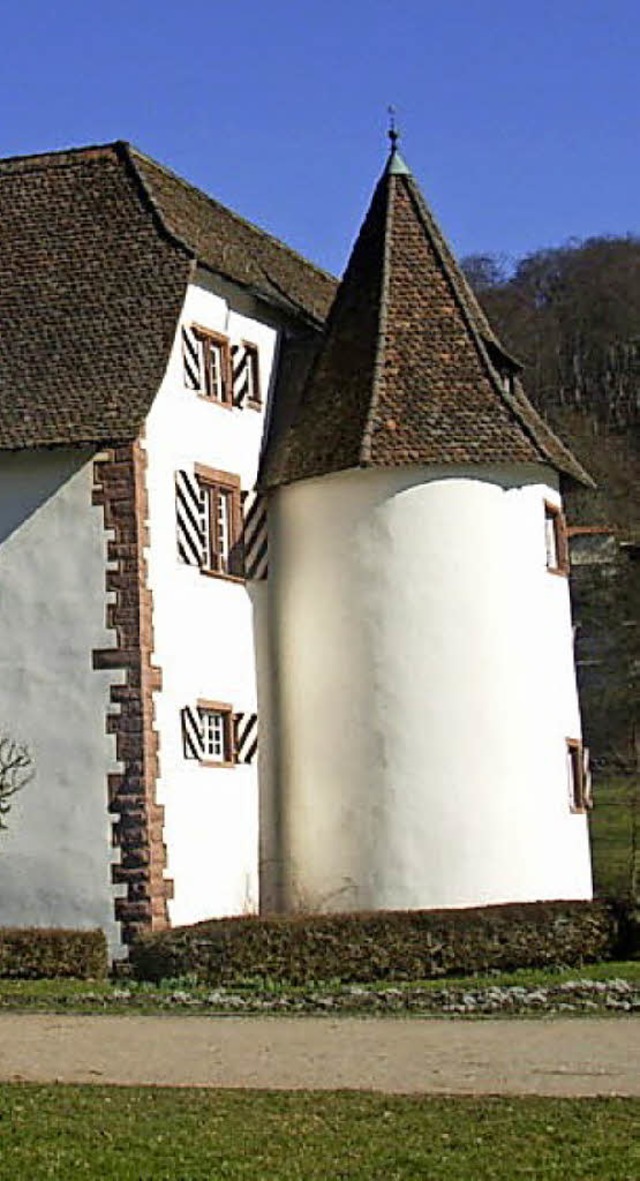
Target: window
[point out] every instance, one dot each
(246, 375)
(555, 531)
(207, 364)
(228, 375)
(216, 723)
(506, 381)
(214, 735)
(579, 775)
(219, 528)
(222, 522)
(215, 359)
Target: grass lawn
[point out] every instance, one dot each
(135, 1134)
(610, 826)
(104, 996)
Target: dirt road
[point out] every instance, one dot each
(552, 1056)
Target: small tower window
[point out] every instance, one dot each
(555, 532)
(579, 775)
(506, 380)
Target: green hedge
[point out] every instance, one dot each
(382, 945)
(628, 916)
(32, 952)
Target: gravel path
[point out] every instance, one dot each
(548, 1056)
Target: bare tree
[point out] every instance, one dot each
(16, 770)
(571, 314)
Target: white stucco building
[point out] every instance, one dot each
(284, 609)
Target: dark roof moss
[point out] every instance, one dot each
(96, 249)
(409, 369)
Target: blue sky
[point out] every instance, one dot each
(520, 121)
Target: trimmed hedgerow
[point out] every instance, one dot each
(29, 953)
(381, 945)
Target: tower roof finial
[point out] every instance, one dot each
(395, 163)
(393, 133)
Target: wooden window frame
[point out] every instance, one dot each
(578, 787)
(507, 381)
(212, 482)
(207, 339)
(225, 711)
(554, 516)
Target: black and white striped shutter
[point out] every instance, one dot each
(192, 733)
(245, 737)
(240, 375)
(255, 536)
(191, 360)
(191, 519)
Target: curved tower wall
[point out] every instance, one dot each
(426, 690)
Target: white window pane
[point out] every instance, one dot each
(223, 526)
(214, 735)
(551, 537)
(215, 369)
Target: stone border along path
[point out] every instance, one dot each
(570, 996)
(545, 1056)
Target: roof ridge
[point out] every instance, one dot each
(365, 447)
(231, 213)
(127, 151)
(288, 301)
(58, 157)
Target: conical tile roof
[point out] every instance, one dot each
(409, 371)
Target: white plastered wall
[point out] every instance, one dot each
(204, 626)
(426, 689)
(55, 856)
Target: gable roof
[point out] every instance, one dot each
(409, 370)
(230, 246)
(97, 246)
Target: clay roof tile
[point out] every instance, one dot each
(409, 370)
(97, 246)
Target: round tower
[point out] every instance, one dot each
(427, 729)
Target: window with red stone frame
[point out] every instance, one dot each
(223, 550)
(216, 721)
(215, 367)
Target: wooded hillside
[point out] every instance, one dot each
(571, 315)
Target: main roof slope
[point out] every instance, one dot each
(406, 373)
(96, 249)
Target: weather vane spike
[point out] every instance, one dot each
(393, 133)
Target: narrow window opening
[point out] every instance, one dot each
(254, 396)
(555, 532)
(579, 777)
